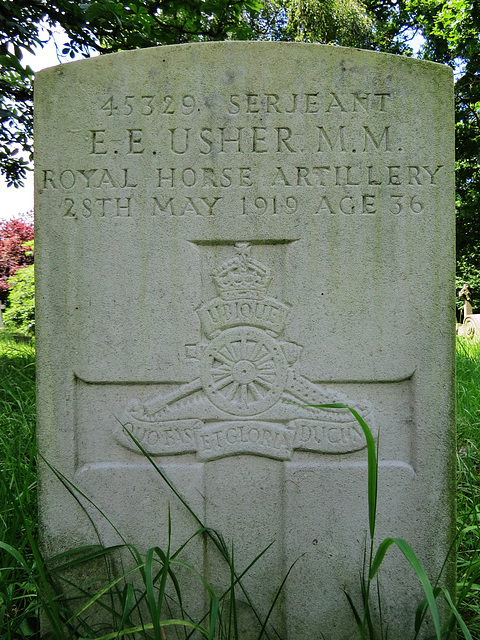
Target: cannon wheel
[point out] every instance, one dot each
(244, 371)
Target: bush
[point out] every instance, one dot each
(20, 314)
(16, 236)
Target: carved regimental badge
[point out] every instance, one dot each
(250, 397)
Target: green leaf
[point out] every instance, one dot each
(127, 599)
(460, 621)
(148, 626)
(253, 5)
(13, 552)
(371, 457)
(409, 554)
(99, 594)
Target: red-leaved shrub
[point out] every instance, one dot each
(13, 233)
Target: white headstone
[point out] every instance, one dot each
(227, 232)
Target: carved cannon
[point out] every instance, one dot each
(248, 395)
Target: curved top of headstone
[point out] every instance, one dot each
(250, 46)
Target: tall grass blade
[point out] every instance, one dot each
(13, 552)
(356, 615)
(371, 457)
(232, 605)
(409, 554)
(75, 492)
(47, 598)
(277, 595)
(155, 614)
(127, 599)
(149, 626)
(458, 617)
(99, 594)
(213, 535)
(94, 552)
(214, 605)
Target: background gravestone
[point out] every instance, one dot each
(225, 232)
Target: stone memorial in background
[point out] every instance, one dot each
(225, 234)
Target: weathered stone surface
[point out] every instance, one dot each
(225, 232)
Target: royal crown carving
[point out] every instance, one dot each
(242, 277)
(242, 283)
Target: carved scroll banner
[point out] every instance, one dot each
(232, 242)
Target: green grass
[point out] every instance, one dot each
(18, 505)
(468, 492)
(25, 590)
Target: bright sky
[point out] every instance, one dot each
(16, 201)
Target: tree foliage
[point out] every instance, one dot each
(452, 29)
(105, 26)
(342, 22)
(16, 237)
(383, 25)
(18, 32)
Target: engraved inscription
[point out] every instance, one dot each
(235, 140)
(148, 105)
(328, 153)
(250, 397)
(392, 190)
(315, 102)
